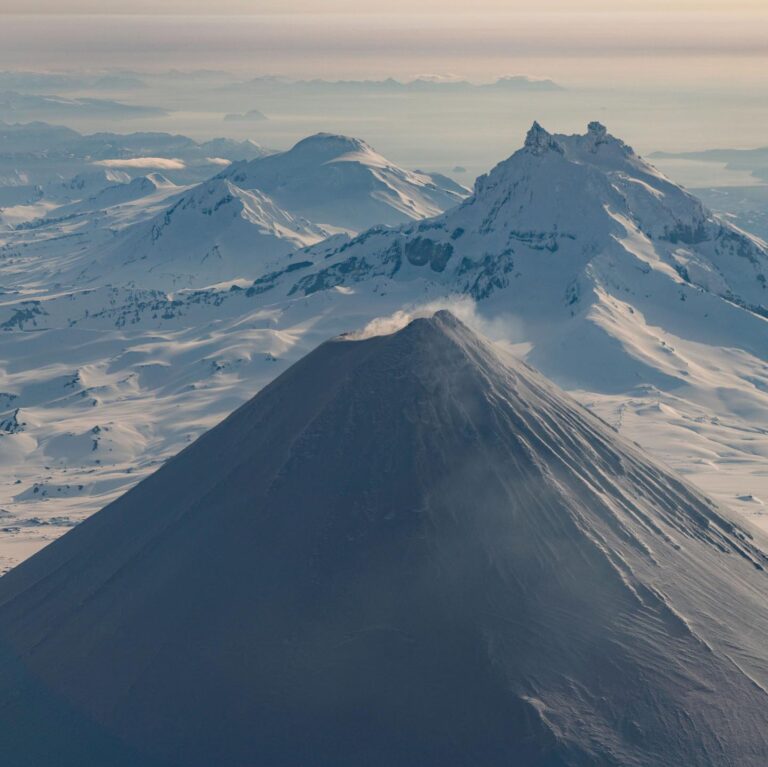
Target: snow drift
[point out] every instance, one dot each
(404, 551)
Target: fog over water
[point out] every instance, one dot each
(672, 81)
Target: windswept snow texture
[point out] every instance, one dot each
(616, 283)
(342, 182)
(404, 551)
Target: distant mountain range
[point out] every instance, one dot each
(45, 141)
(24, 106)
(38, 154)
(62, 82)
(510, 83)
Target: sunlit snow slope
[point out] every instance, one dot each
(342, 182)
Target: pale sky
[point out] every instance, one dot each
(610, 42)
(666, 74)
(376, 6)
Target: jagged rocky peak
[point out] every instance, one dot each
(597, 135)
(538, 141)
(597, 129)
(579, 146)
(573, 154)
(596, 138)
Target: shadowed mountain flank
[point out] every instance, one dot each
(406, 550)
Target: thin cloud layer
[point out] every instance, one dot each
(153, 163)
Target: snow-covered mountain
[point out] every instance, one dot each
(342, 182)
(615, 282)
(229, 227)
(591, 249)
(548, 222)
(212, 232)
(288, 590)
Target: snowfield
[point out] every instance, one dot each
(119, 348)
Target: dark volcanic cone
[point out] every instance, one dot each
(403, 552)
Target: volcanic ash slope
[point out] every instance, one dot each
(404, 551)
